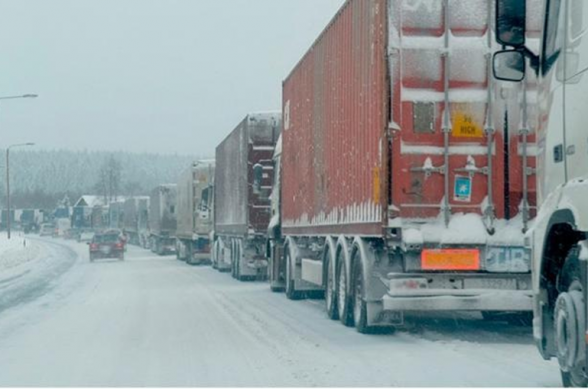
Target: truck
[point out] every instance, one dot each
(135, 220)
(29, 220)
(402, 185)
(116, 214)
(162, 219)
(195, 192)
(242, 209)
(549, 68)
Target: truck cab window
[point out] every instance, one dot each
(554, 34)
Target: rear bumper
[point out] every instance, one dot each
(459, 300)
(112, 254)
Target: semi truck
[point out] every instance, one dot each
(402, 185)
(135, 220)
(116, 214)
(195, 192)
(162, 219)
(555, 68)
(243, 180)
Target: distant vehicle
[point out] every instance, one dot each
(107, 245)
(71, 234)
(135, 220)
(195, 213)
(46, 229)
(162, 219)
(243, 177)
(61, 227)
(85, 236)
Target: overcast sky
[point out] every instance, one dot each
(170, 76)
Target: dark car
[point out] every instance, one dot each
(107, 245)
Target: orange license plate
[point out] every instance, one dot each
(458, 259)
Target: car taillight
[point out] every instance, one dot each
(93, 246)
(118, 245)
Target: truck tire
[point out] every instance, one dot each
(357, 289)
(331, 288)
(343, 298)
(569, 324)
(291, 292)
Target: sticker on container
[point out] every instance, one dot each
(463, 189)
(466, 126)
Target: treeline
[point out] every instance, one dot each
(41, 178)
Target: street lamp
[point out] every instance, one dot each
(25, 96)
(8, 221)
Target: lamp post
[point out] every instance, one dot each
(8, 221)
(25, 96)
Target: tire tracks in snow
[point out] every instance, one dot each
(39, 280)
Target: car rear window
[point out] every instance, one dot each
(106, 238)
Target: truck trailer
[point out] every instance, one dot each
(195, 191)
(402, 184)
(242, 209)
(162, 219)
(554, 67)
(135, 220)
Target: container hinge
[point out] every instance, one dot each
(471, 169)
(429, 169)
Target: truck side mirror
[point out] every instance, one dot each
(509, 65)
(511, 22)
(257, 178)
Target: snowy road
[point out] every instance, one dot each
(152, 321)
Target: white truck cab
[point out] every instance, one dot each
(556, 70)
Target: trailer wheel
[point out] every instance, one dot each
(359, 305)
(343, 298)
(291, 292)
(331, 287)
(274, 273)
(215, 255)
(570, 326)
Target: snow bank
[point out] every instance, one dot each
(16, 255)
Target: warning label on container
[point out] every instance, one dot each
(376, 191)
(463, 189)
(466, 126)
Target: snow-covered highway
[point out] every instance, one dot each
(154, 321)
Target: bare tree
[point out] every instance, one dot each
(109, 179)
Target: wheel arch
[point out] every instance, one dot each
(561, 237)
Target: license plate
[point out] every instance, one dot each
(451, 259)
(105, 249)
(490, 283)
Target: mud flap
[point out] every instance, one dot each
(378, 317)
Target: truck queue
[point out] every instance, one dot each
(416, 165)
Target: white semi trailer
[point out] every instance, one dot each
(555, 70)
(195, 213)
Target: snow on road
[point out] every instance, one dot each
(154, 321)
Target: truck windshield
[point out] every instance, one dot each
(554, 34)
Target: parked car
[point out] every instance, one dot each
(107, 245)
